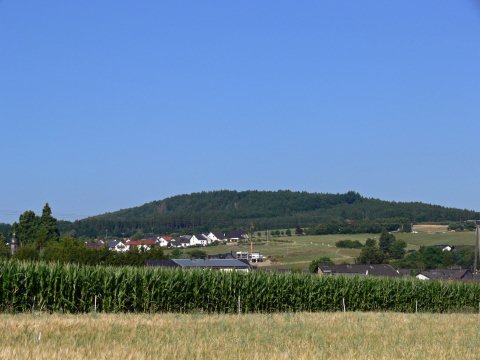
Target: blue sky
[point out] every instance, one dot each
(110, 104)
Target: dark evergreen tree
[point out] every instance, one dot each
(4, 250)
(41, 238)
(407, 227)
(397, 249)
(49, 224)
(298, 230)
(386, 241)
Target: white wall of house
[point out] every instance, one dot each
(162, 242)
(196, 241)
(121, 247)
(422, 277)
(212, 236)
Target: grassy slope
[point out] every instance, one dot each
(255, 336)
(298, 251)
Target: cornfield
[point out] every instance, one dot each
(26, 286)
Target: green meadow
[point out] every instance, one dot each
(296, 252)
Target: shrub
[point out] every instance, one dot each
(349, 244)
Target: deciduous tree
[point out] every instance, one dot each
(371, 253)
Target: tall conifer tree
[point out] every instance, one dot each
(49, 225)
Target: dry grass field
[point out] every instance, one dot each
(431, 228)
(254, 336)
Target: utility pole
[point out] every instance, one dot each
(477, 244)
(13, 243)
(252, 229)
(477, 241)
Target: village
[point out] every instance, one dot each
(167, 241)
(248, 261)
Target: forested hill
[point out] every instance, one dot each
(223, 210)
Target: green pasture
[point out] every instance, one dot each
(447, 238)
(296, 252)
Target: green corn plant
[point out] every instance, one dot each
(72, 288)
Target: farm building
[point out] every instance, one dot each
(358, 270)
(215, 264)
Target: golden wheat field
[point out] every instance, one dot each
(253, 336)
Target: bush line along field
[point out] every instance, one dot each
(75, 289)
(334, 336)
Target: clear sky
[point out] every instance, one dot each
(110, 104)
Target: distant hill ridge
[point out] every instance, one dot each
(226, 209)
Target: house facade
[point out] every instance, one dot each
(164, 241)
(199, 240)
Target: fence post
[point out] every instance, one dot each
(416, 306)
(239, 306)
(95, 305)
(343, 302)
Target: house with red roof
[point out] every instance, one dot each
(164, 241)
(140, 244)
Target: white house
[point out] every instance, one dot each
(182, 241)
(237, 235)
(252, 257)
(199, 239)
(164, 241)
(117, 246)
(140, 244)
(216, 237)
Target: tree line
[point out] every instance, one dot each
(69, 250)
(227, 210)
(36, 230)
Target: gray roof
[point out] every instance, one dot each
(212, 263)
(182, 240)
(163, 263)
(359, 269)
(219, 236)
(228, 255)
(236, 234)
(113, 243)
(446, 274)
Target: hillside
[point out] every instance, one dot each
(221, 210)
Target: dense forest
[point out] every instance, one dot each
(225, 210)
